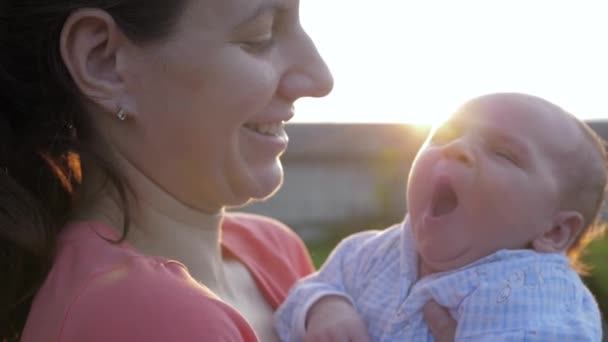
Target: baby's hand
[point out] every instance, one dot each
(334, 319)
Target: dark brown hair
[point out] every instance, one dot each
(43, 132)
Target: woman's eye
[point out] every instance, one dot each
(259, 45)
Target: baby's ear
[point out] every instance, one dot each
(566, 228)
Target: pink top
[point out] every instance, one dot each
(99, 291)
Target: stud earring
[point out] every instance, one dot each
(122, 114)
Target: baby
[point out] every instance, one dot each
(498, 197)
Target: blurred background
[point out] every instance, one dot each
(402, 65)
(414, 61)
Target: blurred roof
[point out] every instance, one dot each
(352, 140)
(363, 141)
(600, 126)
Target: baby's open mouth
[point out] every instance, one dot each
(444, 199)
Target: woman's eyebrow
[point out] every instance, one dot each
(261, 10)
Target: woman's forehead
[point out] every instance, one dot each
(234, 11)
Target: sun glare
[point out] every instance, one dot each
(428, 118)
(416, 61)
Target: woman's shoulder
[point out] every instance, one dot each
(103, 291)
(149, 300)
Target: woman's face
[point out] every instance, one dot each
(210, 101)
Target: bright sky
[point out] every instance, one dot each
(415, 60)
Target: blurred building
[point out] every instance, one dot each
(338, 174)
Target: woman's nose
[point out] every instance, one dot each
(308, 75)
(459, 150)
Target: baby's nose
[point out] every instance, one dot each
(459, 151)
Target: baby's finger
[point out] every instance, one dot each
(442, 325)
(361, 338)
(328, 336)
(359, 333)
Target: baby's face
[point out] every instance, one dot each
(488, 179)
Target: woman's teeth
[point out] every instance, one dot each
(270, 129)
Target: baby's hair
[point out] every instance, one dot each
(585, 191)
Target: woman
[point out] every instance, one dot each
(127, 126)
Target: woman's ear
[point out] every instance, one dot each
(566, 228)
(90, 46)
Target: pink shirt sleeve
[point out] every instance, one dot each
(146, 300)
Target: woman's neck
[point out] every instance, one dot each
(161, 225)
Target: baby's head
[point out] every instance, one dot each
(506, 171)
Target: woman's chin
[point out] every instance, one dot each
(259, 188)
(267, 187)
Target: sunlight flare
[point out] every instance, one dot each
(407, 61)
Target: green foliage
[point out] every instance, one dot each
(319, 251)
(596, 256)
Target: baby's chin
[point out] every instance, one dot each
(444, 260)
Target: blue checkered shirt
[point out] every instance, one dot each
(507, 296)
